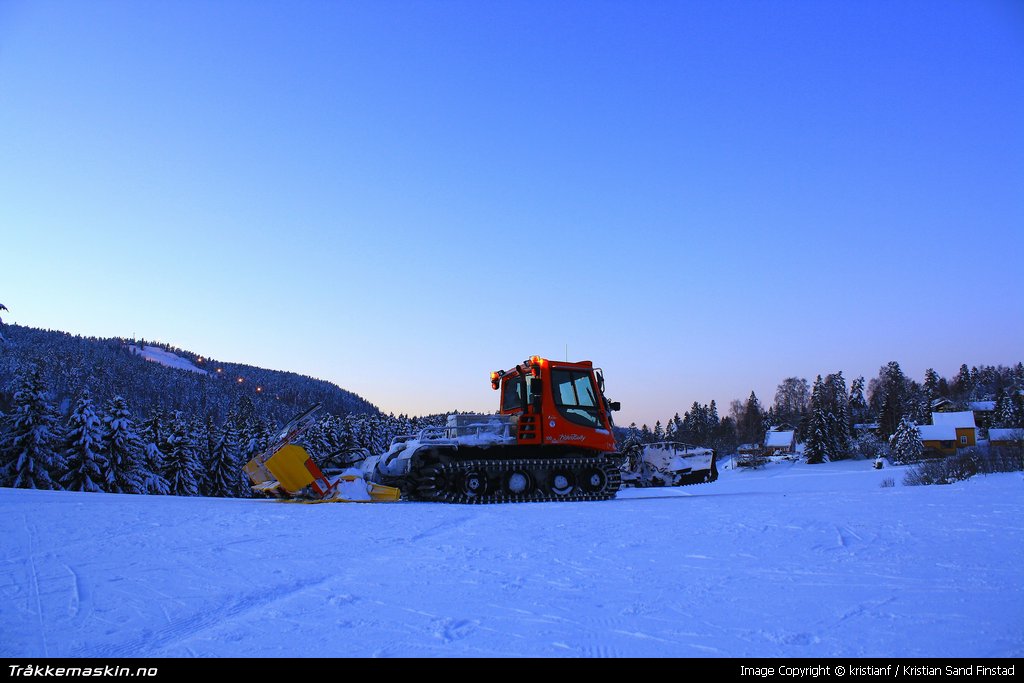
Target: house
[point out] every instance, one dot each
(983, 412)
(938, 439)
(1005, 437)
(779, 442)
(962, 422)
(941, 403)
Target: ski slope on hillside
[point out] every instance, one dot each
(791, 560)
(155, 354)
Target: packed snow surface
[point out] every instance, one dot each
(171, 360)
(789, 560)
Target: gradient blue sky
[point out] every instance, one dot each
(701, 197)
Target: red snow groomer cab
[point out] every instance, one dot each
(560, 406)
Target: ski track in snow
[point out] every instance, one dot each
(791, 560)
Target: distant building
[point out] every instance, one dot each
(779, 442)
(962, 422)
(941, 404)
(1005, 437)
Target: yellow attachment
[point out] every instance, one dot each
(288, 466)
(384, 494)
(353, 489)
(258, 474)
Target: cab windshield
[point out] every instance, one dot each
(575, 397)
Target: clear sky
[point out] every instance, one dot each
(702, 197)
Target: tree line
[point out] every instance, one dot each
(102, 447)
(835, 420)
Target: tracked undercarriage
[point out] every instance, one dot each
(519, 480)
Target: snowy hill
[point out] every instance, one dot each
(110, 367)
(790, 560)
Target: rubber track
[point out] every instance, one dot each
(450, 473)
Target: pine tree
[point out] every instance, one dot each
(223, 475)
(670, 431)
(153, 458)
(931, 385)
(962, 382)
(818, 442)
(858, 405)
(203, 442)
(124, 450)
(905, 444)
(841, 433)
(28, 459)
(645, 434)
(153, 479)
(751, 424)
(181, 464)
(816, 446)
(894, 394)
(87, 468)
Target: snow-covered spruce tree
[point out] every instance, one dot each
(87, 468)
(905, 443)
(29, 437)
(816, 448)
(931, 385)
(818, 443)
(152, 457)
(203, 436)
(1006, 413)
(181, 463)
(224, 471)
(858, 405)
(123, 448)
(2, 340)
(838, 409)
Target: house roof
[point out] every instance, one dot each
(1005, 434)
(937, 432)
(961, 419)
(982, 405)
(777, 439)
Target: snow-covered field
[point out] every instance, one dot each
(792, 560)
